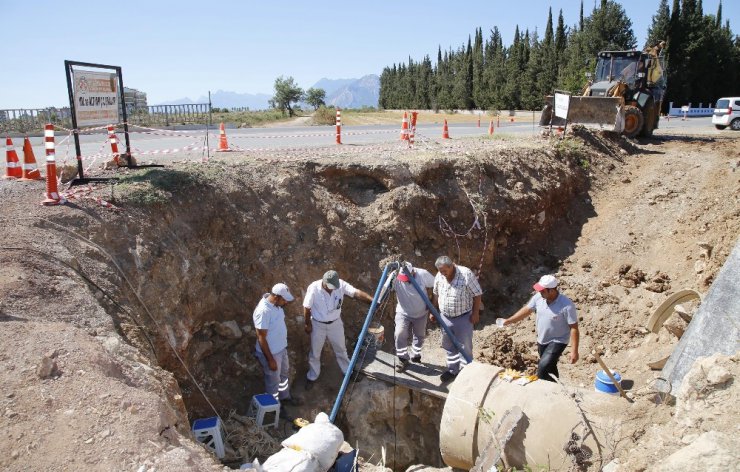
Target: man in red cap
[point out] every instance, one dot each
(411, 314)
(557, 324)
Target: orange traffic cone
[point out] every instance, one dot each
(12, 166)
(490, 129)
(52, 193)
(405, 127)
(30, 171)
(445, 131)
(223, 144)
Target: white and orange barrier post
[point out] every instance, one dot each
(52, 193)
(490, 128)
(223, 143)
(113, 143)
(339, 126)
(412, 128)
(30, 170)
(12, 166)
(405, 127)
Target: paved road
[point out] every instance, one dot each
(143, 145)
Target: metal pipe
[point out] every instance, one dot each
(436, 314)
(361, 337)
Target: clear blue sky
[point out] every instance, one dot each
(181, 49)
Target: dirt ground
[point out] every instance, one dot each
(622, 224)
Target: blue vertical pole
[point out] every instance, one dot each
(436, 314)
(360, 339)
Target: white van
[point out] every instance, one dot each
(727, 113)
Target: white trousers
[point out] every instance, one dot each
(319, 334)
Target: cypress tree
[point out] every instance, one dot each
(560, 35)
(658, 30)
(718, 19)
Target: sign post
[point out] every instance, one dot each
(96, 98)
(685, 110)
(562, 107)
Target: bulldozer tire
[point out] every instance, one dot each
(633, 121)
(649, 115)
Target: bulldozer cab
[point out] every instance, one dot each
(624, 67)
(638, 70)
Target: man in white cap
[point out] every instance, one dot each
(411, 314)
(458, 297)
(557, 324)
(323, 305)
(272, 341)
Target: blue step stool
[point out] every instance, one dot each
(261, 406)
(210, 432)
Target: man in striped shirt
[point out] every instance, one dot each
(457, 295)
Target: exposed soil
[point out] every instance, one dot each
(200, 244)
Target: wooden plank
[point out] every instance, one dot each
(423, 378)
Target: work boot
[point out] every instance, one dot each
(309, 384)
(401, 365)
(292, 401)
(416, 359)
(447, 376)
(285, 416)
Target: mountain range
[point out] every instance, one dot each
(343, 93)
(352, 93)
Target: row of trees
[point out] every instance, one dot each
(703, 53)
(288, 93)
(486, 74)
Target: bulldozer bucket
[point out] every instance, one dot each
(607, 112)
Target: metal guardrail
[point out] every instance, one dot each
(170, 115)
(25, 120)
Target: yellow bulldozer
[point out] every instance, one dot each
(625, 94)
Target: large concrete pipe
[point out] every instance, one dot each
(550, 431)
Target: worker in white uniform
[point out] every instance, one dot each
(272, 342)
(322, 310)
(411, 314)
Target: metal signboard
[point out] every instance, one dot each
(96, 96)
(562, 104)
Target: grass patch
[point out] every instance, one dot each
(249, 118)
(325, 116)
(571, 148)
(154, 186)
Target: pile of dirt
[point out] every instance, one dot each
(501, 349)
(702, 434)
(88, 403)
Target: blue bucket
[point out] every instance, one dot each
(604, 384)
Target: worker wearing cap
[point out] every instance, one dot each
(458, 297)
(411, 314)
(557, 325)
(322, 310)
(272, 340)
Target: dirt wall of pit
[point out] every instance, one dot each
(203, 244)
